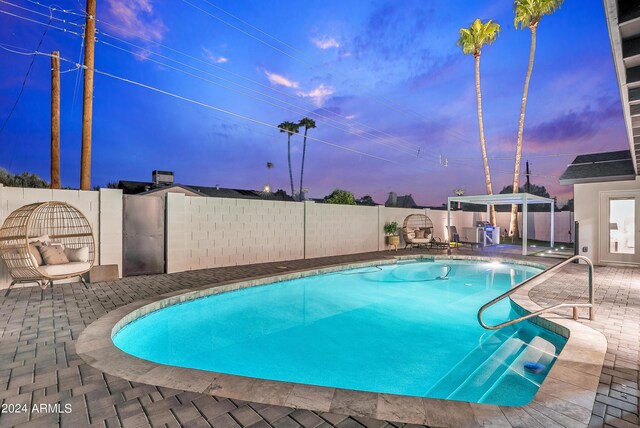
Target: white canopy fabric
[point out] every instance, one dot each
(524, 199)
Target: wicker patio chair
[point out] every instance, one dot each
(417, 231)
(57, 222)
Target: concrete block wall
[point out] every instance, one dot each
(211, 232)
(539, 225)
(103, 209)
(110, 228)
(340, 229)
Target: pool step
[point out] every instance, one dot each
(485, 375)
(461, 371)
(516, 378)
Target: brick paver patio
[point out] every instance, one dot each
(39, 365)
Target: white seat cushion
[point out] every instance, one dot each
(64, 269)
(421, 241)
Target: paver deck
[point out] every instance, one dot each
(39, 365)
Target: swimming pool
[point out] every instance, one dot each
(399, 329)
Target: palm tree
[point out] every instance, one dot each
(471, 41)
(528, 14)
(290, 128)
(308, 124)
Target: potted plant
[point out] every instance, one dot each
(391, 231)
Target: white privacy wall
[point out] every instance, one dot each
(539, 225)
(340, 229)
(103, 209)
(209, 232)
(206, 232)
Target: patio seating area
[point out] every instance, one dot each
(37, 351)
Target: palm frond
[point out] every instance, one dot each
(529, 12)
(472, 39)
(307, 123)
(290, 127)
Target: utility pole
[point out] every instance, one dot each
(87, 98)
(528, 173)
(55, 119)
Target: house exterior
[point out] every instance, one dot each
(606, 194)
(606, 185)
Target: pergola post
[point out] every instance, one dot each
(484, 243)
(525, 226)
(449, 225)
(553, 217)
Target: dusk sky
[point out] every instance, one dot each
(384, 81)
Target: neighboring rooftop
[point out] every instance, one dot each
(163, 181)
(598, 167)
(400, 201)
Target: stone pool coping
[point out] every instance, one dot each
(566, 397)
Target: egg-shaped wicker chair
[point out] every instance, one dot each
(417, 231)
(47, 224)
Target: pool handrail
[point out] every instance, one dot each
(549, 308)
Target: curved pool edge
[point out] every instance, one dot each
(567, 395)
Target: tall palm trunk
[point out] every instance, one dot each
(304, 150)
(290, 170)
(483, 147)
(513, 226)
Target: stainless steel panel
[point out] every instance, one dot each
(143, 235)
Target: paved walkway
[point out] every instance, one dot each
(617, 316)
(39, 366)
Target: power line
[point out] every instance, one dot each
(76, 84)
(239, 29)
(299, 111)
(252, 26)
(82, 15)
(349, 124)
(209, 106)
(48, 25)
(51, 26)
(24, 82)
(49, 15)
(57, 9)
(65, 30)
(212, 107)
(304, 61)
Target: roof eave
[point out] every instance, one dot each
(586, 180)
(615, 39)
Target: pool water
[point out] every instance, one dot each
(395, 329)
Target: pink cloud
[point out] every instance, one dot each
(318, 95)
(277, 79)
(210, 56)
(135, 18)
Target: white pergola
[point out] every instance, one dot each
(524, 199)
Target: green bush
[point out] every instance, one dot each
(340, 196)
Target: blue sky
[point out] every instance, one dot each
(383, 79)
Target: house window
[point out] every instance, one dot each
(622, 226)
